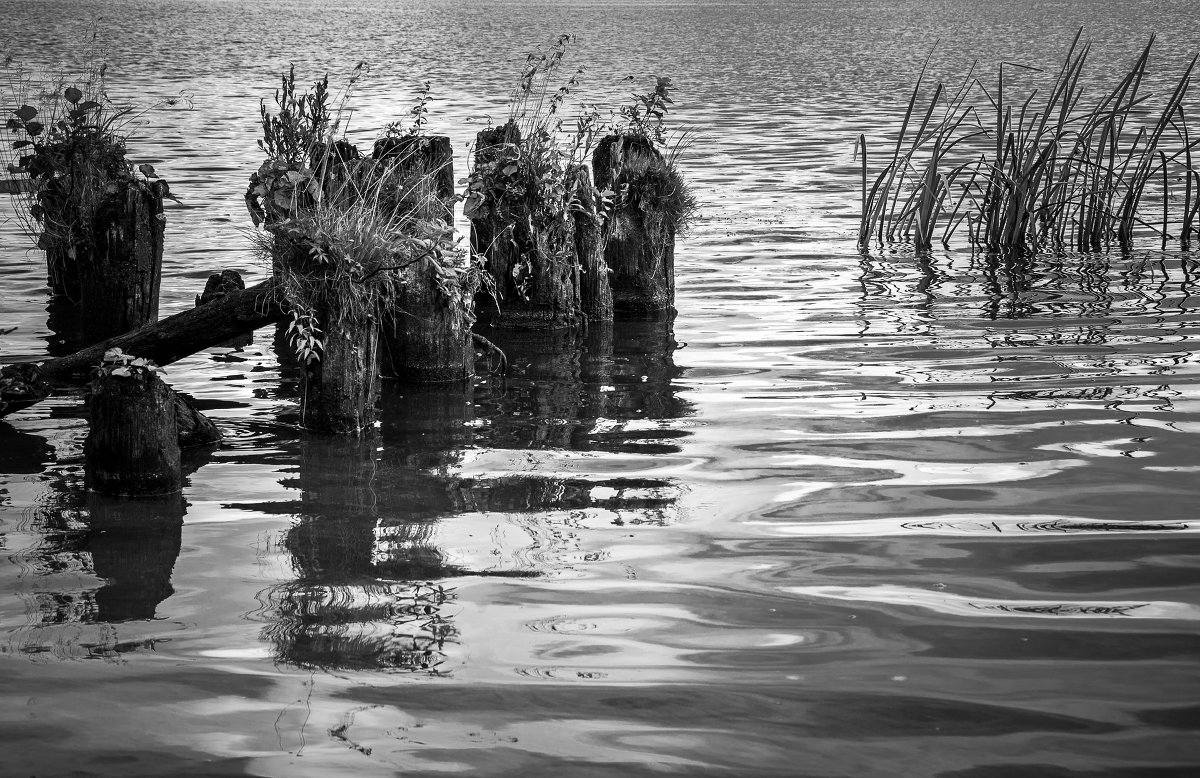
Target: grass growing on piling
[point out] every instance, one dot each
(525, 180)
(1027, 173)
(644, 167)
(64, 142)
(344, 237)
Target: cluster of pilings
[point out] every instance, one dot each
(609, 257)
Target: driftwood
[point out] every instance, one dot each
(183, 334)
(163, 342)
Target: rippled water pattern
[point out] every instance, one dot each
(847, 516)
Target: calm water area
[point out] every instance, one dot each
(846, 515)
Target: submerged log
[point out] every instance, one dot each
(193, 427)
(640, 232)
(184, 333)
(132, 447)
(119, 281)
(21, 385)
(341, 389)
(531, 258)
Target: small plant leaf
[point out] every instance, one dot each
(34, 128)
(73, 95)
(26, 112)
(20, 144)
(147, 170)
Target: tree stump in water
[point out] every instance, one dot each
(640, 233)
(132, 447)
(422, 168)
(595, 291)
(119, 282)
(529, 251)
(425, 335)
(341, 389)
(425, 331)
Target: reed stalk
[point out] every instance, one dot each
(1033, 176)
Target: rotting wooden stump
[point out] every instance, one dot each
(532, 260)
(425, 331)
(595, 291)
(341, 389)
(425, 335)
(119, 281)
(132, 447)
(422, 169)
(640, 236)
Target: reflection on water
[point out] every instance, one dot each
(95, 561)
(846, 516)
(385, 523)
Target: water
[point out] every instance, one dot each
(846, 516)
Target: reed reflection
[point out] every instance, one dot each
(386, 523)
(912, 288)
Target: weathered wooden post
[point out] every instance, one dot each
(341, 388)
(425, 327)
(651, 201)
(595, 291)
(529, 249)
(425, 336)
(421, 168)
(119, 282)
(132, 447)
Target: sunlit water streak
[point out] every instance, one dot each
(849, 515)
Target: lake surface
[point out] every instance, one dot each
(845, 516)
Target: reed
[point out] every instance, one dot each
(1027, 174)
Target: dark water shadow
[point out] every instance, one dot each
(131, 545)
(375, 583)
(22, 453)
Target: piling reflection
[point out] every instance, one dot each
(95, 560)
(385, 524)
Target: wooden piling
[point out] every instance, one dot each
(425, 335)
(532, 260)
(595, 291)
(422, 167)
(132, 447)
(640, 232)
(425, 329)
(119, 281)
(341, 389)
